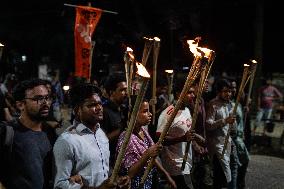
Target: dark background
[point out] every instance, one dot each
(43, 31)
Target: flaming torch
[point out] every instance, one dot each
(147, 50)
(192, 75)
(245, 78)
(128, 59)
(144, 76)
(170, 78)
(154, 85)
(210, 55)
(254, 66)
(1, 50)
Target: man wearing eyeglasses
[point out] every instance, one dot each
(25, 167)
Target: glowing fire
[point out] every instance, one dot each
(142, 70)
(246, 65)
(150, 39)
(193, 46)
(130, 53)
(157, 39)
(254, 61)
(128, 49)
(169, 71)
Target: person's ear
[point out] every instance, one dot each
(20, 105)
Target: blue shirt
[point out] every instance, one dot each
(78, 150)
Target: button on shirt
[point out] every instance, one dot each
(78, 150)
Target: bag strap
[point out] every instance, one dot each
(9, 136)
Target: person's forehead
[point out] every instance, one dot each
(144, 105)
(94, 97)
(38, 90)
(121, 84)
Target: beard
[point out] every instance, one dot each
(39, 116)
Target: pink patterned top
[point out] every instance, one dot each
(136, 147)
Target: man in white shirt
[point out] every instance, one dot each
(175, 141)
(82, 151)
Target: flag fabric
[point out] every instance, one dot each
(87, 19)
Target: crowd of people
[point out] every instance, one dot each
(84, 155)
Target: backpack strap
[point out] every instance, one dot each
(9, 136)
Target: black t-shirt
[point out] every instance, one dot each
(114, 118)
(26, 169)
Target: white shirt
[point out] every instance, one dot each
(172, 155)
(78, 150)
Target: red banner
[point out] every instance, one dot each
(87, 19)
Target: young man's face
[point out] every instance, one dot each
(91, 111)
(190, 96)
(225, 94)
(120, 93)
(36, 104)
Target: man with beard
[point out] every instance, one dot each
(82, 152)
(24, 165)
(115, 111)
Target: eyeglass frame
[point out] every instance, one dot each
(41, 99)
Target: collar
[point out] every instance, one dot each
(81, 128)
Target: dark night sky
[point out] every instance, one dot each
(40, 29)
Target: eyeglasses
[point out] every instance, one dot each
(41, 99)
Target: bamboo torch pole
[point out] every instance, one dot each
(245, 78)
(254, 66)
(129, 61)
(147, 50)
(144, 76)
(156, 49)
(204, 75)
(170, 78)
(194, 72)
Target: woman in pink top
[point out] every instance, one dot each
(140, 148)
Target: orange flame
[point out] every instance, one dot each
(130, 53)
(169, 71)
(150, 39)
(157, 39)
(142, 70)
(193, 46)
(128, 49)
(254, 61)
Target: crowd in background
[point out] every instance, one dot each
(84, 155)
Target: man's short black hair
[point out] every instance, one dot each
(112, 81)
(19, 91)
(220, 84)
(81, 92)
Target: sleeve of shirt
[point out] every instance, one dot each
(64, 163)
(163, 118)
(211, 123)
(278, 93)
